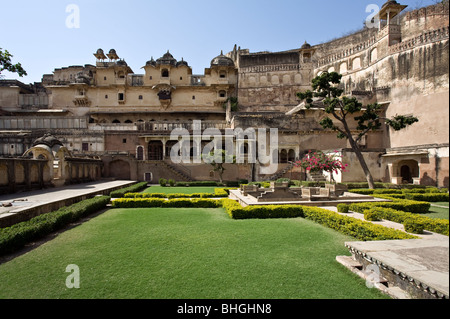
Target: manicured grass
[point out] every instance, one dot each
(438, 212)
(187, 253)
(180, 190)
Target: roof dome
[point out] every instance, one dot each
(167, 59)
(222, 60)
(392, 2)
(306, 45)
(48, 140)
(182, 62)
(151, 62)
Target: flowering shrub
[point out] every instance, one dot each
(319, 161)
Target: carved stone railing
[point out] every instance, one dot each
(270, 68)
(425, 38)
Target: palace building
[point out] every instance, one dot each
(113, 123)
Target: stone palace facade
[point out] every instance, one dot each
(106, 121)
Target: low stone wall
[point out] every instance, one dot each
(20, 215)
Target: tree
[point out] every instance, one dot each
(319, 161)
(217, 159)
(328, 97)
(6, 64)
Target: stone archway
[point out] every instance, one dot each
(408, 170)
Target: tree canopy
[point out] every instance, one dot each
(6, 64)
(328, 97)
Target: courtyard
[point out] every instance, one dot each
(187, 254)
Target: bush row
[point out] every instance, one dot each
(218, 192)
(16, 236)
(164, 203)
(359, 229)
(413, 223)
(236, 211)
(130, 189)
(405, 205)
(430, 190)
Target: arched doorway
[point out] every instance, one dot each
(155, 151)
(405, 173)
(408, 169)
(291, 155)
(283, 156)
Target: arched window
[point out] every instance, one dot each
(140, 153)
(128, 121)
(165, 73)
(116, 122)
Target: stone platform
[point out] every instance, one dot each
(24, 206)
(346, 198)
(404, 269)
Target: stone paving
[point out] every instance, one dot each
(419, 266)
(12, 204)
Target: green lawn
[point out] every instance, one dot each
(187, 253)
(180, 190)
(439, 212)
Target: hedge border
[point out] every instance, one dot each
(130, 189)
(361, 230)
(218, 193)
(18, 235)
(412, 222)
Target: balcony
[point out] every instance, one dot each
(81, 100)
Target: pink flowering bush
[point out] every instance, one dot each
(319, 161)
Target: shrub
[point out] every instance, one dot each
(428, 197)
(130, 189)
(362, 191)
(163, 203)
(413, 227)
(436, 225)
(387, 191)
(218, 192)
(171, 182)
(163, 182)
(398, 204)
(16, 236)
(362, 230)
(371, 216)
(342, 208)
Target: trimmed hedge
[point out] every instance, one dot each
(412, 222)
(16, 236)
(359, 229)
(163, 203)
(218, 192)
(342, 208)
(130, 189)
(405, 205)
(428, 197)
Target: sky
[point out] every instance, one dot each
(44, 35)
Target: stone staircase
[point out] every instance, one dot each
(281, 172)
(182, 172)
(316, 177)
